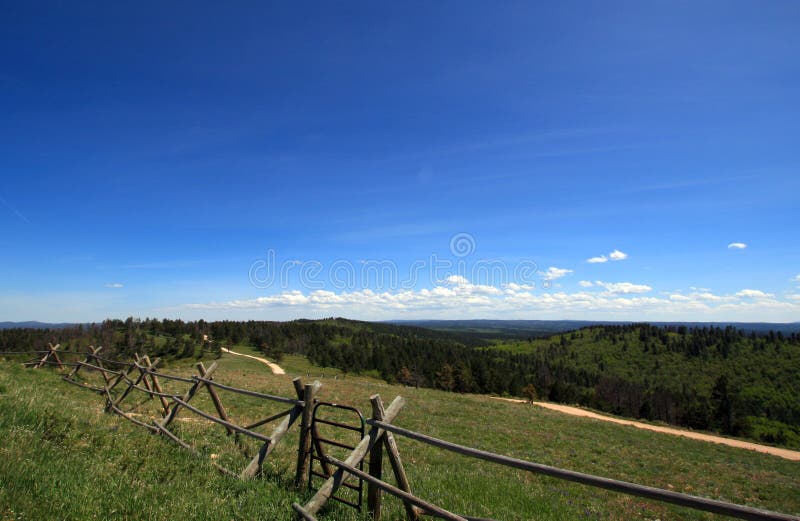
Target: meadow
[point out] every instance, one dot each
(63, 458)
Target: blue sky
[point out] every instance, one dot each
(161, 160)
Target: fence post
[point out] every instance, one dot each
(375, 465)
(379, 413)
(173, 411)
(215, 398)
(304, 447)
(156, 384)
(144, 374)
(131, 386)
(51, 351)
(254, 468)
(99, 363)
(88, 359)
(78, 365)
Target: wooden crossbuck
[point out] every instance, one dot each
(141, 376)
(92, 359)
(50, 353)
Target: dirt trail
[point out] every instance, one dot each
(575, 411)
(276, 369)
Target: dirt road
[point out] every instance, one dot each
(276, 369)
(575, 411)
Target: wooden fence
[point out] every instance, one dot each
(122, 379)
(141, 375)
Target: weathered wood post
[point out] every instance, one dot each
(304, 447)
(99, 363)
(186, 397)
(88, 359)
(51, 351)
(122, 373)
(133, 384)
(379, 413)
(156, 384)
(214, 396)
(375, 465)
(254, 468)
(144, 375)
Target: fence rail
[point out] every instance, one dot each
(140, 375)
(379, 440)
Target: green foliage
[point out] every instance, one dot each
(703, 378)
(168, 339)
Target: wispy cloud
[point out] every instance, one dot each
(737, 246)
(463, 285)
(13, 210)
(586, 283)
(623, 287)
(754, 293)
(513, 287)
(166, 264)
(457, 296)
(114, 285)
(553, 273)
(615, 255)
(508, 141)
(700, 296)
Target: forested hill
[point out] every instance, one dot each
(716, 378)
(709, 378)
(723, 379)
(523, 329)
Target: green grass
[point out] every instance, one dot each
(63, 458)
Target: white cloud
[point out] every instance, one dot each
(706, 295)
(457, 280)
(512, 286)
(737, 246)
(114, 285)
(623, 287)
(554, 273)
(615, 301)
(700, 297)
(460, 285)
(754, 293)
(615, 255)
(797, 278)
(586, 283)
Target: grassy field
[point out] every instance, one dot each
(63, 458)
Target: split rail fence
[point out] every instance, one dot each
(377, 443)
(121, 379)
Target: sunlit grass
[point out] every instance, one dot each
(63, 458)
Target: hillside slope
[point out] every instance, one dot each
(64, 459)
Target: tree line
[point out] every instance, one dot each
(710, 378)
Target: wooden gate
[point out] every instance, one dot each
(333, 426)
